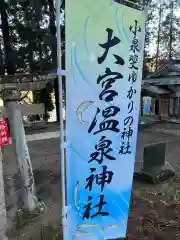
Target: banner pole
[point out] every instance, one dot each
(62, 159)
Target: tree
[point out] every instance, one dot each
(52, 27)
(149, 34)
(28, 46)
(169, 31)
(30, 202)
(33, 44)
(8, 49)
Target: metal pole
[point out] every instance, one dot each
(3, 218)
(59, 55)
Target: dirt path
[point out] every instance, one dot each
(149, 218)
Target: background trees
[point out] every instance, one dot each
(28, 38)
(28, 42)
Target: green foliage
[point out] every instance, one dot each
(171, 30)
(168, 29)
(28, 41)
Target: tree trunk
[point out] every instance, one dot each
(159, 36)
(171, 31)
(54, 54)
(9, 54)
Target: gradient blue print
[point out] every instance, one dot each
(85, 79)
(111, 2)
(124, 30)
(94, 142)
(78, 67)
(119, 217)
(116, 211)
(117, 24)
(109, 191)
(86, 159)
(119, 207)
(79, 214)
(85, 33)
(117, 195)
(72, 65)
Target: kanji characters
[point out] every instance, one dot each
(97, 209)
(135, 29)
(128, 133)
(103, 150)
(106, 81)
(106, 124)
(111, 42)
(125, 148)
(100, 179)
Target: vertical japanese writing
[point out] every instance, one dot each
(104, 53)
(128, 132)
(103, 149)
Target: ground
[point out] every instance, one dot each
(153, 215)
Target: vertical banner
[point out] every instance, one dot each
(104, 58)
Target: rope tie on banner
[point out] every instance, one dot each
(64, 215)
(61, 72)
(65, 145)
